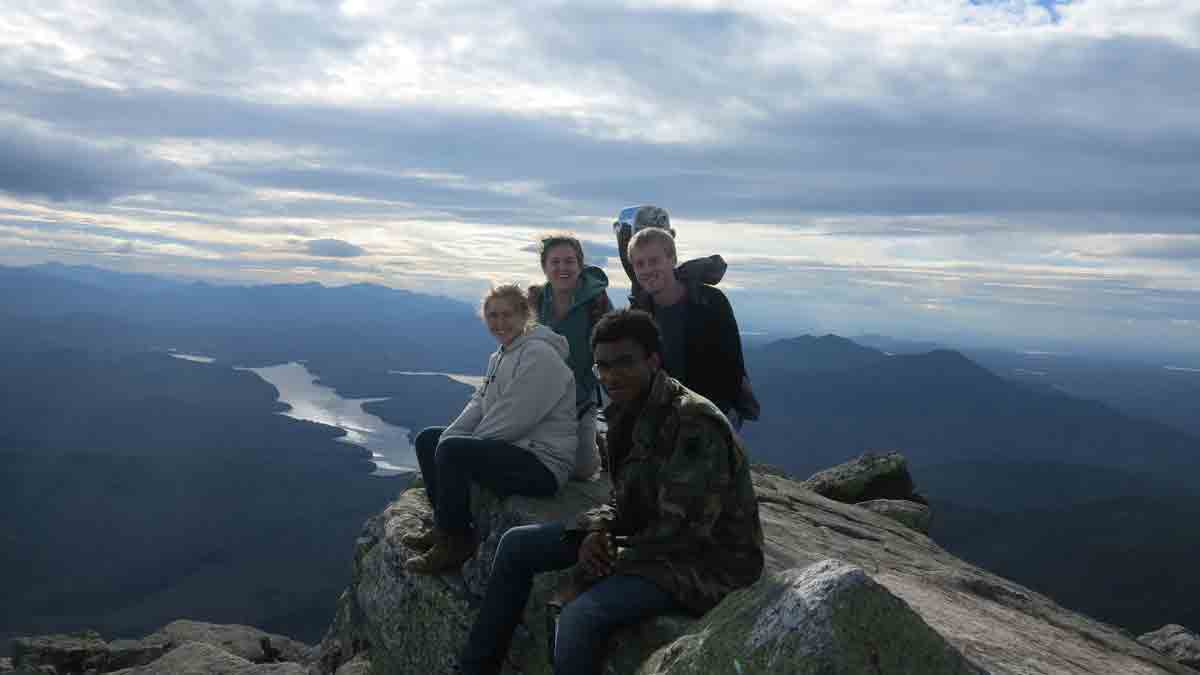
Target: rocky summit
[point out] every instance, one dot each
(852, 587)
(847, 591)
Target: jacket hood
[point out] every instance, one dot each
(709, 270)
(592, 282)
(544, 334)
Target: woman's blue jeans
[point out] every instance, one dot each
(584, 625)
(448, 466)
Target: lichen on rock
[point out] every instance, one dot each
(845, 589)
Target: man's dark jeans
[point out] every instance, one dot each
(585, 623)
(449, 465)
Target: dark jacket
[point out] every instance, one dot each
(683, 507)
(715, 366)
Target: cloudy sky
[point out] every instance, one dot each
(1008, 169)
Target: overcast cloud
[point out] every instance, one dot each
(1009, 169)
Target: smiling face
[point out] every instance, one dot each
(505, 320)
(624, 369)
(653, 266)
(562, 267)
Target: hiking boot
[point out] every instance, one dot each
(421, 539)
(449, 552)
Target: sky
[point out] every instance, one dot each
(1025, 173)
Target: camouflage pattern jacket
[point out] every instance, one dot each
(683, 509)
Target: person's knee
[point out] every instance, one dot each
(427, 440)
(581, 634)
(581, 617)
(514, 550)
(454, 450)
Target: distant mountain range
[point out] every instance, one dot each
(57, 306)
(89, 400)
(826, 399)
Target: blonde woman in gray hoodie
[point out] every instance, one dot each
(517, 434)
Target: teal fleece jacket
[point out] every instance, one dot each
(576, 326)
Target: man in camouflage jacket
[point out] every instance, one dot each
(681, 531)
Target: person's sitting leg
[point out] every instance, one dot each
(502, 467)
(459, 460)
(522, 553)
(426, 445)
(587, 621)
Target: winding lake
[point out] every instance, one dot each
(390, 448)
(389, 445)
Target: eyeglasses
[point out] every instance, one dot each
(621, 364)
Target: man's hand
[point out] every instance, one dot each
(595, 555)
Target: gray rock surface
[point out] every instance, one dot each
(871, 476)
(359, 665)
(1175, 641)
(88, 652)
(200, 658)
(912, 514)
(246, 642)
(85, 651)
(829, 618)
(415, 624)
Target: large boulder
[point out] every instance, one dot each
(1176, 642)
(247, 642)
(871, 476)
(418, 623)
(407, 624)
(88, 652)
(73, 653)
(200, 658)
(829, 618)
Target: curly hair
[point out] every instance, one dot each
(558, 239)
(635, 324)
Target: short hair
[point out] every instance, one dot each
(514, 294)
(558, 239)
(635, 324)
(653, 235)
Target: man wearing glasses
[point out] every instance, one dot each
(681, 530)
(702, 347)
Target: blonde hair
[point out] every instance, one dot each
(653, 235)
(514, 294)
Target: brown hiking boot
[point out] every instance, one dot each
(421, 539)
(449, 552)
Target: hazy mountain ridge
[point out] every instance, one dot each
(243, 325)
(940, 407)
(161, 427)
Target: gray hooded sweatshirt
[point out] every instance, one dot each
(527, 399)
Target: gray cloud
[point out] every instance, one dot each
(1002, 148)
(1169, 249)
(333, 248)
(62, 167)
